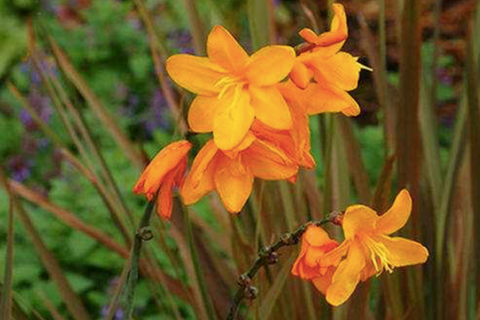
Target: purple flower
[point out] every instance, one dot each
(182, 40)
(19, 168)
(119, 314)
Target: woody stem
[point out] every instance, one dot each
(268, 255)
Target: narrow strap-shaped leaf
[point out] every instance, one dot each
(97, 106)
(72, 300)
(7, 291)
(279, 281)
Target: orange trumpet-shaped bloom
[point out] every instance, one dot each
(334, 72)
(294, 142)
(315, 244)
(231, 173)
(368, 248)
(164, 172)
(233, 88)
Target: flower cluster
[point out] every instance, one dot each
(257, 108)
(335, 269)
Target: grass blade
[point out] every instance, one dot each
(97, 106)
(276, 289)
(354, 160)
(158, 56)
(6, 297)
(197, 28)
(260, 22)
(72, 300)
(474, 141)
(196, 265)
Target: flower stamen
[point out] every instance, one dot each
(380, 251)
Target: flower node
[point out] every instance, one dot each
(145, 234)
(251, 292)
(244, 280)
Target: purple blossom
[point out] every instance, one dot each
(119, 314)
(20, 168)
(182, 40)
(444, 76)
(157, 115)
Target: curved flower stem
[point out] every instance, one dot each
(143, 234)
(268, 255)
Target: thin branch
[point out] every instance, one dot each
(268, 255)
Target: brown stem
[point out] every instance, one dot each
(268, 255)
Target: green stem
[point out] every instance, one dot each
(143, 234)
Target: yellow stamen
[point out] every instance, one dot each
(226, 83)
(378, 250)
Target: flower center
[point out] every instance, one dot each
(378, 254)
(227, 82)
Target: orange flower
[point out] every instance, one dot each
(334, 72)
(315, 244)
(368, 248)
(164, 172)
(231, 173)
(294, 142)
(233, 88)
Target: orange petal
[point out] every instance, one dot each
(164, 198)
(224, 50)
(308, 35)
(196, 74)
(234, 118)
(333, 257)
(270, 65)
(179, 172)
(165, 161)
(313, 256)
(323, 282)
(403, 252)
(301, 75)
(316, 236)
(268, 163)
(358, 218)
(270, 107)
(329, 43)
(326, 98)
(201, 113)
(397, 216)
(296, 268)
(338, 29)
(346, 277)
(320, 98)
(233, 187)
(199, 180)
(341, 70)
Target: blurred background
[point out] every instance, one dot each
(85, 102)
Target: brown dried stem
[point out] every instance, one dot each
(268, 255)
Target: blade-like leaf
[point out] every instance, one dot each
(7, 291)
(97, 106)
(71, 299)
(279, 281)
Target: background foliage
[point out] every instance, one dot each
(91, 73)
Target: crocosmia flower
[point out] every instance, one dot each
(166, 171)
(334, 72)
(233, 88)
(368, 249)
(315, 244)
(231, 173)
